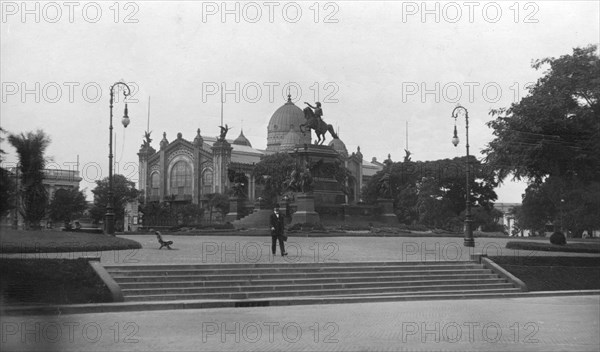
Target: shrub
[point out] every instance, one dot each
(306, 227)
(558, 238)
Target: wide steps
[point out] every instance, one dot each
(291, 286)
(192, 281)
(280, 281)
(459, 290)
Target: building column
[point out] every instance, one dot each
(221, 159)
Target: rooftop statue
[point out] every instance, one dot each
(224, 131)
(407, 156)
(147, 139)
(314, 121)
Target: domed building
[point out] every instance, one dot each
(186, 171)
(287, 118)
(339, 147)
(290, 141)
(242, 140)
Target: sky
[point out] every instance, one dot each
(377, 67)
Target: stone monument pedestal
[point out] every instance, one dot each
(305, 212)
(234, 205)
(387, 211)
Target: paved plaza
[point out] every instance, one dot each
(257, 249)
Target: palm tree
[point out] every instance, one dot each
(34, 198)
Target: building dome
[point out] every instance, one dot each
(291, 139)
(287, 118)
(242, 140)
(339, 147)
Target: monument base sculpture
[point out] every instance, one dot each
(387, 211)
(305, 212)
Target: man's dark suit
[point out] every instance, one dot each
(277, 227)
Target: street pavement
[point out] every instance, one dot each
(568, 323)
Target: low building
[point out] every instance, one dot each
(54, 179)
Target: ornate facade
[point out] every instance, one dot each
(186, 171)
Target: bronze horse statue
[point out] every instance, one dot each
(316, 124)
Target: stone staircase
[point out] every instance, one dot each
(317, 282)
(257, 219)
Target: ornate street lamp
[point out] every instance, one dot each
(469, 241)
(109, 218)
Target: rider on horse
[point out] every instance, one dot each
(318, 112)
(315, 122)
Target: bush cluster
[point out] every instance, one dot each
(558, 238)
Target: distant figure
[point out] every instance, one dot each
(277, 228)
(163, 243)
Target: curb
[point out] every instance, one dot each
(205, 304)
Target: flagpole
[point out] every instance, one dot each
(221, 105)
(148, 124)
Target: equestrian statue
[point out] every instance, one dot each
(315, 122)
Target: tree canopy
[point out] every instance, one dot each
(554, 131)
(432, 193)
(271, 172)
(551, 138)
(124, 191)
(67, 205)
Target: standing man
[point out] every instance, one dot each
(277, 227)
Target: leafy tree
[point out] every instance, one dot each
(551, 138)
(66, 205)
(487, 219)
(34, 197)
(217, 201)
(189, 214)
(124, 191)
(7, 191)
(433, 207)
(432, 193)
(169, 213)
(517, 212)
(271, 172)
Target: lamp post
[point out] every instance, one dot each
(562, 216)
(286, 199)
(17, 187)
(469, 241)
(109, 218)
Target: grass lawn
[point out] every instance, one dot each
(15, 241)
(51, 281)
(574, 247)
(544, 273)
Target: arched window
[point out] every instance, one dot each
(207, 181)
(154, 185)
(181, 179)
